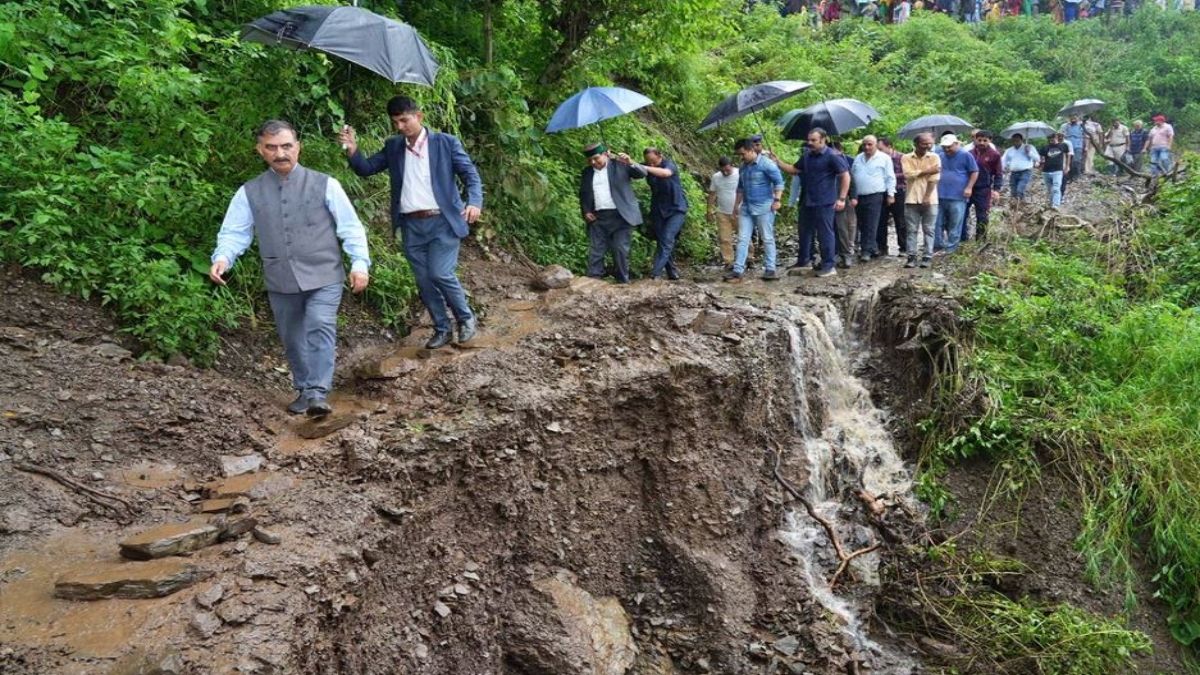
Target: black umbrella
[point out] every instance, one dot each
(379, 44)
(751, 100)
(838, 116)
(934, 124)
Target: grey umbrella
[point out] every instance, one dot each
(934, 124)
(751, 100)
(837, 116)
(379, 44)
(1081, 107)
(1032, 129)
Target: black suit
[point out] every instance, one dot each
(611, 229)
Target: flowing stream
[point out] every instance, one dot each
(848, 450)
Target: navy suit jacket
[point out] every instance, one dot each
(621, 187)
(447, 159)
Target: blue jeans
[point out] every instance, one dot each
(306, 323)
(1020, 181)
(431, 248)
(817, 223)
(1054, 181)
(765, 224)
(1160, 161)
(949, 224)
(666, 233)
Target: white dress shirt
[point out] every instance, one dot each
(417, 194)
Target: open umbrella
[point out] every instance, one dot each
(751, 100)
(934, 124)
(381, 45)
(837, 116)
(1081, 107)
(1028, 130)
(595, 104)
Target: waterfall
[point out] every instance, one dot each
(848, 449)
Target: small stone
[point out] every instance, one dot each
(266, 536)
(421, 652)
(710, 322)
(111, 351)
(236, 466)
(446, 592)
(236, 611)
(312, 590)
(371, 556)
(787, 645)
(107, 458)
(553, 276)
(471, 567)
(460, 589)
(97, 476)
(471, 575)
(204, 624)
(210, 596)
(352, 577)
(442, 609)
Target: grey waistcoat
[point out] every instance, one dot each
(297, 236)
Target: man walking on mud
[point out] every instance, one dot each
(610, 208)
(427, 209)
(302, 263)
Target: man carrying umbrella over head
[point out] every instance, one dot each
(610, 208)
(427, 209)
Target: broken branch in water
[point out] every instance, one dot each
(844, 557)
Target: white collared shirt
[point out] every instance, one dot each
(601, 190)
(417, 194)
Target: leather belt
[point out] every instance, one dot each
(428, 213)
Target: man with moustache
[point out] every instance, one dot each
(298, 216)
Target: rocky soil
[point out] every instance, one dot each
(589, 489)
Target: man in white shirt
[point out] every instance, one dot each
(722, 193)
(1019, 160)
(609, 208)
(873, 181)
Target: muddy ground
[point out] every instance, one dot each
(589, 489)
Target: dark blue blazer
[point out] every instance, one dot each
(447, 159)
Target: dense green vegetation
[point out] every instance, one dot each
(1086, 352)
(125, 128)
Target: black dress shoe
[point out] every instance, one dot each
(673, 275)
(440, 339)
(318, 407)
(299, 406)
(466, 330)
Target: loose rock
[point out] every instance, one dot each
(170, 539)
(154, 579)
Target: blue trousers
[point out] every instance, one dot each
(1019, 182)
(949, 224)
(765, 225)
(817, 222)
(306, 323)
(431, 248)
(666, 233)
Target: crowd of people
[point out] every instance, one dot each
(821, 12)
(933, 198)
(304, 222)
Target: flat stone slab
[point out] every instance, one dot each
(227, 505)
(131, 581)
(170, 539)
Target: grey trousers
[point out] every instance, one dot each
(609, 233)
(920, 218)
(306, 323)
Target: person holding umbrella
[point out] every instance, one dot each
(826, 179)
(302, 263)
(427, 209)
(609, 208)
(668, 209)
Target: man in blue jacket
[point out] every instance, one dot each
(427, 209)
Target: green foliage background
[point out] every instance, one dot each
(125, 127)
